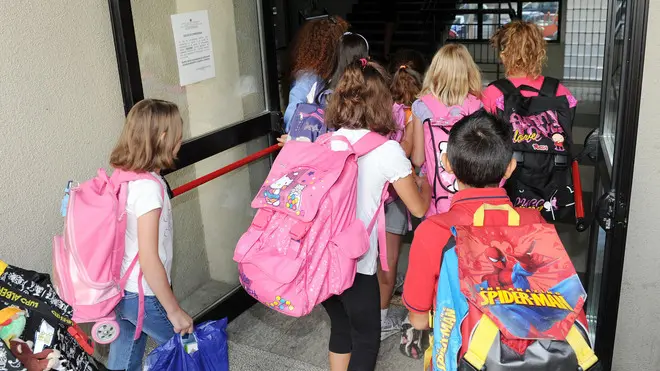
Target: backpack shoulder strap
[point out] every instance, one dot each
(549, 87)
(120, 177)
(434, 105)
(368, 143)
(505, 86)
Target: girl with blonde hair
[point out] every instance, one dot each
(453, 79)
(451, 90)
(149, 143)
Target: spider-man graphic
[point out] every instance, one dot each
(513, 272)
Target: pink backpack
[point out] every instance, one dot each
(436, 134)
(87, 257)
(304, 242)
(401, 114)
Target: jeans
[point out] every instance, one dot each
(126, 353)
(355, 322)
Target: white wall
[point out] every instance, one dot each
(637, 344)
(60, 114)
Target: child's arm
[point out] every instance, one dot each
(423, 271)
(415, 194)
(407, 141)
(154, 271)
(417, 154)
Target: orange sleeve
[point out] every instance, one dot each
(424, 267)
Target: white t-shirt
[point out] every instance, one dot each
(144, 196)
(387, 163)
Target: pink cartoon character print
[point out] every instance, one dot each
(447, 181)
(294, 199)
(559, 141)
(272, 193)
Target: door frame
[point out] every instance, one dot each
(199, 148)
(621, 178)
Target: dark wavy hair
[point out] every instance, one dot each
(362, 99)
(352, 46)
(315, 46)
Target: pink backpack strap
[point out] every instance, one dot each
(433, 104)
(368, 143)
(120, 179)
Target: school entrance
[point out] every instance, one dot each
(232, 110)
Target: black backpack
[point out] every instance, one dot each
(542, 130)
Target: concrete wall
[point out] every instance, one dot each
(61, 112)
(638, 328)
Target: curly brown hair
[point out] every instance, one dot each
(406, 85)
(522, 48)
(362, 99)
(315, 46)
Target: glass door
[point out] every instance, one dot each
(621, 89)
(216, 60)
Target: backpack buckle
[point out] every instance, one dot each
(262, 218)
(299, 231)
(561, 161)
(519, 157)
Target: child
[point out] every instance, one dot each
(407, 69)
(149, 142)
(479, 154)
(452, 88)
(313, 59)
(351, 47)
(523, 52)
(361, 103)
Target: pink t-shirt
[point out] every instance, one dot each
(493, 98)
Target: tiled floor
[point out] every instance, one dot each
(262, 339)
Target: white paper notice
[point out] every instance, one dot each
(194, 52)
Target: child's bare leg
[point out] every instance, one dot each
(387, 280)
(339, 362)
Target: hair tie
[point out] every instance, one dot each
(364, 62)
(403, 67)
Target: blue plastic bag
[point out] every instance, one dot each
(212, 354)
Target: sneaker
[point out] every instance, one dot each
(390, 326)
(413, 342)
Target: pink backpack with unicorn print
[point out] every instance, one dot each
(305, 239)
(436, 134)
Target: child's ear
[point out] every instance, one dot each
(510, 168)
(445, 163)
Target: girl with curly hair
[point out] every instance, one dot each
(362, 103)
(313, 59)
(522, 50)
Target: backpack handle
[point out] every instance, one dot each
(480, 214)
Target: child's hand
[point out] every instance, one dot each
(181, 321)
(282, 140)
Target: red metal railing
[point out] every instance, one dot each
(224, 170)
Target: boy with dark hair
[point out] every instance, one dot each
(480, 154)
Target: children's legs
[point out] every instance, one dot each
(396, 221)
(362, 306)
(340, 334)
(355, 326)
(126, 353)
(387, 280)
